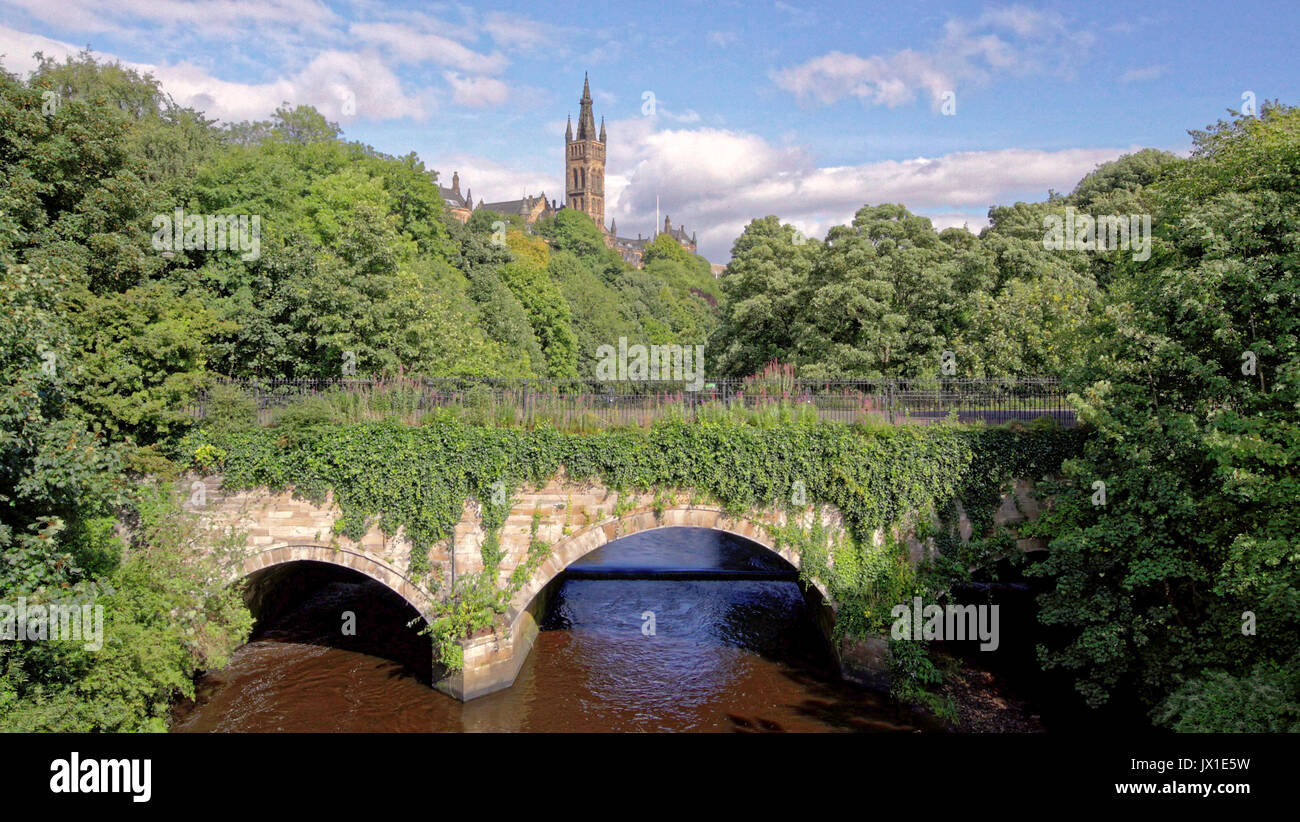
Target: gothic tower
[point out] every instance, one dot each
(584, 162)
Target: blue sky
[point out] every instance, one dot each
(804, 110)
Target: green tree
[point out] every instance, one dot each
(597, 309)
(884, 299)
(763, 290)
(1197, 450)
(549, 313)
(573, 231)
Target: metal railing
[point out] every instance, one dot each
(509, 401)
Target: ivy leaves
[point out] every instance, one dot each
(419, 477)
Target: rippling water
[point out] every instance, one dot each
(726, 654)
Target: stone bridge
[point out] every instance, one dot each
(277, 529)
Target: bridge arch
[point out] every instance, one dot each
(492, 662)
(358, 561)
(575, 546)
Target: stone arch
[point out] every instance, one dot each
(577, 545)
(354, 560)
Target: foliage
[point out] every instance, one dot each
(915, 679)
(167, 608)
(763, 291)
(168, 613)
(1157, 588)
(547, 309)
(229, 408)
(886, 295)
(418, 477)
(573, 231)
(1262, 701)
(104, 341)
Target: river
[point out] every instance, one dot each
(678, 629)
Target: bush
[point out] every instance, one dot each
(305, 414)
(229, 408)
(1265, 701)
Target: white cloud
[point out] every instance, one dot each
(715, 181)
(476, 92)
(515, 32)
(1015, 40)
(312, 54)
(889, 81)
(17, 48)
(690, 115)
(331, 79)
(1143, 74)
(327, 82)
(798, 15)
(492, 182)
(408, 45)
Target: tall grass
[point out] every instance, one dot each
(770, 399)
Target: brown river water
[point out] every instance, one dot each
(734, 649)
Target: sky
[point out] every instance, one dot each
(721, 111)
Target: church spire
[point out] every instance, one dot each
(586, 119)
(568, 130)
(602, 129)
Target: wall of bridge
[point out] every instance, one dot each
(573, 519)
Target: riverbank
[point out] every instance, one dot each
(987, 703)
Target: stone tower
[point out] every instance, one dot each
(584, 162)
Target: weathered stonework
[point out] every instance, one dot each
(572, 518)
(277, 528)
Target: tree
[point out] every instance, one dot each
(167, 610)
(302, 125)
(547, 309)
(1036, 327)
(596, 307)
(143, 357)
(1129, 173)
(572, 230)
(168, 140)
(72, 200)
(763, 291)
(1197, 445)
(884, 299)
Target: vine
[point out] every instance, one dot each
(418, 478)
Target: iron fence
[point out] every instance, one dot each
(507, 401)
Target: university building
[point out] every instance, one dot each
(584, 189)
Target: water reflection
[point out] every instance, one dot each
(725, 655)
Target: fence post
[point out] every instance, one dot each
(889, 399)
